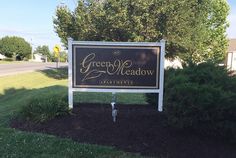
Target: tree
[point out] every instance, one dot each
(63, 56)
(15, 47)
(44, 50)
(194, 29)
(203, 32)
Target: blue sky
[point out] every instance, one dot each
(32, 20)
(232, 19)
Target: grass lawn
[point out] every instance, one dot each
(11, 62)
(16, 90)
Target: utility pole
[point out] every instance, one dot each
(32, 54)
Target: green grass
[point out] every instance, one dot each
(17, 144)
(11, 62)
(16, 90)
(106, 98)
(27, 145)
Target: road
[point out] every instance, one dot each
(16, 68)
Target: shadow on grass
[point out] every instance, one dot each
(59, 74)
(17, 94)
(12, 100)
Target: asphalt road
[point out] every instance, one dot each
(16, 68)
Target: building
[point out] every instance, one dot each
(231, 56)
(176, 63)
(2, 57)
(39, 58)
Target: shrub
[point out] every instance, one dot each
(25, 59)
(46, 108)
(152, 98)
(201, 98)
(15, 47)
(8, 59)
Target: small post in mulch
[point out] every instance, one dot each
(114, 109)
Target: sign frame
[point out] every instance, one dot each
(159, 90)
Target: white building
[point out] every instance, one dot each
(2, 57)
(39, 58)
(231, 56)
(176, 63)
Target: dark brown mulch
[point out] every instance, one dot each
(139, 129)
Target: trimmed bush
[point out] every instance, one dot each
(8, 59)
(46, 108)
(201, 98)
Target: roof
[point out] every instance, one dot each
(232, 45)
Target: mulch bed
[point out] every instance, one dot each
(139, 129)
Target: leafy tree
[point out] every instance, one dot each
(15, 47)
(44, 50)
(194, 29)
(63, 56)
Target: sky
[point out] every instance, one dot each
(33, 20)
(232, 19)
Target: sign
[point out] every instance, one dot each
(57, 50)
(122, 67)
(117, 67)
